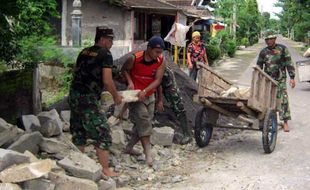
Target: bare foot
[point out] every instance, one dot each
(149, 160)
(285, 127)
(109, 173)
(132, 152)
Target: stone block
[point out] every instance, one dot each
(9, 186)
(118, 136)
(52, 146)
(162, 136)
(25, 172)
(51, 124)
(31, 123)
(65, 117)
(38, 184)
(64, 182)
(108, 184)
(29, 141)
(10, 157)
(7, 132)
(80, 165)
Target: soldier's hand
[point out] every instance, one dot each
(292, 83)
(141, 95)
(160, 106)
(118, 99)
(131, 86)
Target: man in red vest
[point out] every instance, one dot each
(144, 71)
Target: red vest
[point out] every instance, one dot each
(143, 75)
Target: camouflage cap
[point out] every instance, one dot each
(269, 34)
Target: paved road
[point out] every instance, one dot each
(239, 162)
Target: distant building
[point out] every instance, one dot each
(133, 21)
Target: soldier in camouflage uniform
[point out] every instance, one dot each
(93, 70)
(275, 60)
(171, 92)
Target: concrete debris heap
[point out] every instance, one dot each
(38, 154)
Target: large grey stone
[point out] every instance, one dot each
(51, 125)
(31, 123)
(108, 184)
(64, 182)
(25, 172)
(7, 132)
(38, 184)
(162, 136)
(52, 146)
(10, 157)
(65, 117)
(118, 137)
(9, 186)
(28, 142)
(80, 165)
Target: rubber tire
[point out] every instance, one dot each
(203, 130)
(269, 142)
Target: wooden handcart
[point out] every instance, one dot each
(303, 70)
(258, 111)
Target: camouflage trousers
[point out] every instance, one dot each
(282, 101)
(87, 121)
(174, 98)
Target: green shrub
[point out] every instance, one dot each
(213, 53)
(244, 42)
(230, 47)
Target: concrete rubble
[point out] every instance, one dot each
(9, 186)
(7, 132)
(29, 141)
(80, 165)
(31, 123)
(162, 136)
(25, 172)
(65, 182)
(51, 124)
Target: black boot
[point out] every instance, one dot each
(187, 134)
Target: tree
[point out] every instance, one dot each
(247, 17)
(265, 20)
(295, 17)
(20, 19)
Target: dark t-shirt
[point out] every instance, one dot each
(88, 70)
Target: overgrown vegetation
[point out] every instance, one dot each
(26, 39)
(294, 18)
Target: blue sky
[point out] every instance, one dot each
(268, 6)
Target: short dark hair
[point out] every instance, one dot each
(103, 31)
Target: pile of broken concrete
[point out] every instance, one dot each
(40, 155)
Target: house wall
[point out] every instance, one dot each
(97, 13)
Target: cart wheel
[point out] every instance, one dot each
(270, 131)
(203, 130)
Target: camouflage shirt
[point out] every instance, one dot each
(88, 70)
(168, 80)
(276, 61)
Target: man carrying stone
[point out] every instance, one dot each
(275, 60)
(144, 71)
(92, 72)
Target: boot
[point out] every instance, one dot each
(187, 134)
